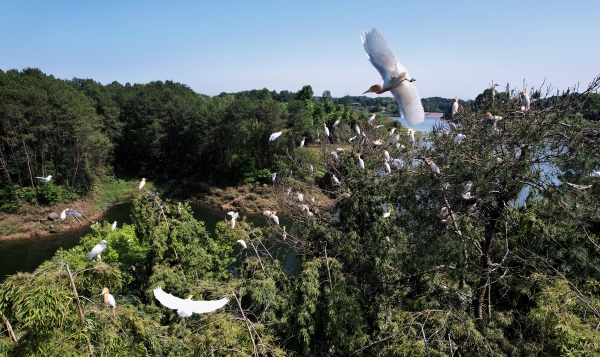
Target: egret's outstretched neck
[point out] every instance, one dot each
(375, 89)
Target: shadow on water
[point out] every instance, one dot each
(27, 254)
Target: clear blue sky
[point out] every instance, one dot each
(452, 48)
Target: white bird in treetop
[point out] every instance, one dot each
(493, 117)
(434, 167)
(459, 138)
(142, 183)
(361, 163)
(234, 216)
(337, 122)
(386, 213)
(274, 136)
(109, 299)
(395, 77)
(454, 106)
(97, 250)
(325, 129)
(356, 129)
(494, 90)
(525, 100)
(242, 243)
(392, 131)
(371, 119)
(114, 226)
(186, 307)
(302, 142)
(47, 179)
(411, 135)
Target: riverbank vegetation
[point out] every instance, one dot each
(483, 243)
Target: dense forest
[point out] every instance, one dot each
(479, 238)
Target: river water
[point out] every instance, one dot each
(27, 254)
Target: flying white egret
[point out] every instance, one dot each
(47, 179)
(114, 226)
(242, 243)
(142, 183)
(392, 131)
(395, 77)
(386, 154)
(361, 163)
(97, 250)
(325, 129)
(371, 119)
(109, 299)
(274, 136)
(337, 122)
(525, 100)
(356, 129)
(186, 307)
(302, 142)
(63, 214)
(454, 106)
(459, 138)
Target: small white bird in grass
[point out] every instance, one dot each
(274, 136)
(395, 77)
(302, 142)
(335, 180)
(386, 154)
(142, 183)
(242, 243)
(388, 169)
(187, 307)
(109, 299)
(454, 106)
(114, 226)
(371, 119)
(459, 138)
(234, 216)
(337, 122)
(325, 129)
(595, 174)
(392, 130)
(356, 129)
(361, 163)
(525, 100)
(47, 179)
(97, 250)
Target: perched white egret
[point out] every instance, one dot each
(595, 174)
(311, 168)
(346, 195)
(386, 213)
(142, 183)
(186, 307)
(335, 155)
(109, 299)
(392, 131)
(396, 139)
(525, 100)
(234, 216)
(335, 180)
(411, 135)
(63, 214)
(434, 167)
(467, 187)
(361, 163)
(459, 138)
(388, 169)
(386, 155)
(395, 77)
(454, 106)
(494, 90)
(325, 129)
(274, 136)
(114, 226)
(267, 214)
(242, 243)
(352, 138)
(493, 117)
(97, 250)
(275, 218)
(273, 176)
(444, 212)
(356, 129)
(47, 179)
(371, 119)
(302, 142)
(337, 122)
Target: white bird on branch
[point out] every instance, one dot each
(186, 307)
(97, 250)
(142, 183)
(109, 299)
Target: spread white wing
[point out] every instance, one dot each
(197, 306)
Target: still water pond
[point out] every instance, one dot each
(27, 254)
